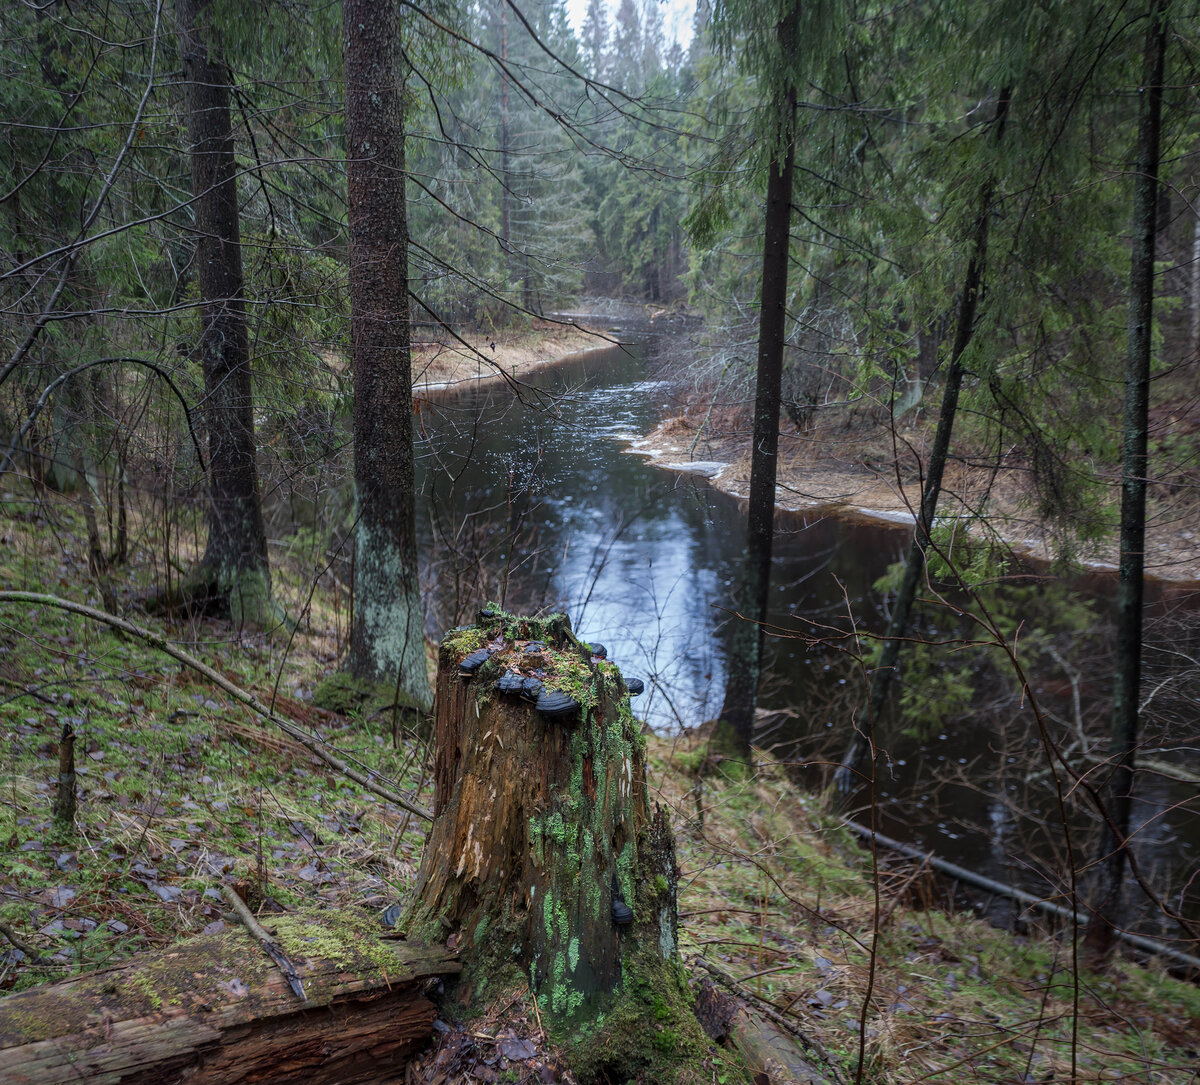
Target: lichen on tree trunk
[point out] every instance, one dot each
(536, 815)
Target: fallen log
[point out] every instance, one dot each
(1177, 958)
(215, 1009)
(771, 1047)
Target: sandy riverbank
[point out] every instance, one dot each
(504, 355)
(830, 477)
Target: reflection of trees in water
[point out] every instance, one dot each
(963, 762)
(643, 562)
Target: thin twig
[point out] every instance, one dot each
(28, 950)
(273, 949)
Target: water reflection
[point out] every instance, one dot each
(530, 499)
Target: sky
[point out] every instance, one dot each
(677, 17)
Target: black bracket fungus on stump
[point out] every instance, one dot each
(546, 862)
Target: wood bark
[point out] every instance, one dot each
(536, 816)
(734, 732)
(862, 746)
(387, 640)
(215, 1009)
(235, 566)
(1134, 462)
(768, 1051)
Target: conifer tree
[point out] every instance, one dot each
(387, 641)
(1134, 471)
(234, 567)
(735, 727)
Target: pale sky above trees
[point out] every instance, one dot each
(677, 17)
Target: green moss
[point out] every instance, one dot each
(648, 1033)
(341, 692)
(143, 986)
(461, 642)
(625, 861)
(349, 940)
(726, 754)
(249, 592)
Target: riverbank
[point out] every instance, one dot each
(852, 474)
(501, 356)
(181, 790)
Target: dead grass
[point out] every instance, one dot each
(851, 468)
(497, 356)
(775, 893)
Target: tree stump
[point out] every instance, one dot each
(546, 864)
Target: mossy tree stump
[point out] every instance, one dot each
(536, 816)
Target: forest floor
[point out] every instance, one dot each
(856, 468)
(181, 789)
(505, 355)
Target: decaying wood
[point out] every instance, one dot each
(536, 817)
(768, 1050)
(214, 1010)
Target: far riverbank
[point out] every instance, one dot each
(501, 356)
(853, 476)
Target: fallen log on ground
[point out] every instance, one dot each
(1175, 957)
(216, 1009)
(771, 1047)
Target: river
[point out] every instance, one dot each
(534, 500)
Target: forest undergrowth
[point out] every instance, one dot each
(180, 789)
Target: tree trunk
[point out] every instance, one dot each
(387, 642)
(1131, 572)
(546, 863)
(863, 742)
(505, 179)
(215, 1009)
(234, 567)
(734, 731)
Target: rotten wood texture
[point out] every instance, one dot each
(535, 817)
(215, 1009)
(769, 1051)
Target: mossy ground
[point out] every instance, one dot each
(181, 789)
(774, 889)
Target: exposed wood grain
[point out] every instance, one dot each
(214, 1009)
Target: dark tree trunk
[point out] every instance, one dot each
(387, 641)
(505, 180)
(1131, 573)
(863, 742)
(734, 729)
(235, 565)
(538, 818)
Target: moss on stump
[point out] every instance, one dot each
(538, 817)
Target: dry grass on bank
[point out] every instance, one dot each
(850, 464)
(493, 356)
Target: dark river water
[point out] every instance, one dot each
(533, 500)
